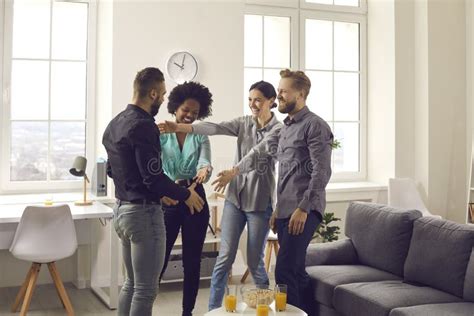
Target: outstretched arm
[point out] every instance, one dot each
(229, 128)
(267, 147)
(204, 168)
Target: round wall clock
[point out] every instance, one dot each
(181, 67)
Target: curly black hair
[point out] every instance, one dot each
(191, 90)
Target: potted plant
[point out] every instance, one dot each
(336, 144)
(325, 231)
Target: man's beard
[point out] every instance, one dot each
(155, 107)
(290, 106)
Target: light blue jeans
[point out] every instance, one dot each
(141, 230)
(232, 225)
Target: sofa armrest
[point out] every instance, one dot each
(333, 253)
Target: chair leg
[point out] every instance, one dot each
(30, 289)
(244, 277)
(60, 287)
(22, 291)
(268, 256)
(276, 247)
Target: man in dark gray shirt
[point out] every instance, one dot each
(303, 149)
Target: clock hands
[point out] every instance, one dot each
(184, 57)
(180, 66)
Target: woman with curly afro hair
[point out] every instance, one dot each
(250, 198)
(187, 160)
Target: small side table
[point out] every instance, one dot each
(243, 309)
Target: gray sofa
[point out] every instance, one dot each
(395, 263)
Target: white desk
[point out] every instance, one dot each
(10, 217)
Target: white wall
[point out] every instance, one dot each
(447, 99)
(417, 99)
(381, 91)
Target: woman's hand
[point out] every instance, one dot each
(168, 127)
(201, 175)
(223, 178)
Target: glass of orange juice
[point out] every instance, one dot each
(280, 297)
(262, 304)
(230, 298)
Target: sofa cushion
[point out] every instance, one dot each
(326, 278)
(331, 253)
(439, 254)
(321, 309)
(451, 309)
(469, 280)
(380, 234)
(379, 298)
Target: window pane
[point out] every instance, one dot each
(253, 43)
(29, 151)
(352, 3)
(31, 22)
(68, 90)
(68, 140)
(273, 76)
(320, 1)
(346, 46)
(250, 77)
(318, 44)
(277, 42)
(320, 96)
(346, 158)
(346, 96)
(29, 90)
(69, 30)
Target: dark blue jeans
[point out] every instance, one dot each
(193, 233)
(141, 230)
(290, 264)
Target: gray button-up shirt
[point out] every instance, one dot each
(303, 149)
(254, 190)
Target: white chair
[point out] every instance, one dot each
(43, 236)
(403, 193)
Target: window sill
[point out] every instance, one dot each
(355, 191)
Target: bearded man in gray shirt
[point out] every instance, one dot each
(303, 150)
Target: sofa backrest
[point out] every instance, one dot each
(381, 234)
(439, 254)
(468, 294)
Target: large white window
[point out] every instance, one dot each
(327, 40)
(47, 80)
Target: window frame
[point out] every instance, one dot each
(361, 9)
(362, 20)
(6, 46)
(292, 13)
(305, 10)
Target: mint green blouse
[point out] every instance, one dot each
(184, 164)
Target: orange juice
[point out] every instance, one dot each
(280, 301)
(230, 303)
(262, 310)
